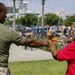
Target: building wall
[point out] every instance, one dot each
(10, 10)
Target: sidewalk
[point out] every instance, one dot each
(17, 53)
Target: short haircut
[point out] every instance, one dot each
(1, 5)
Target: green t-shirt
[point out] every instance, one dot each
(7, 37)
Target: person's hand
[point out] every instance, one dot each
(50, 34)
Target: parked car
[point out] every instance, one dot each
(42, 31)
(20, 27)
(39, 31)
(9, 26)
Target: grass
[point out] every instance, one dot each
(41, 67)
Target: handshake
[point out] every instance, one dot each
(51, 35)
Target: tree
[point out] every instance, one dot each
(27, 20)
(52, 19)
(31, 19)
(69, 19)
(8, 21)
(18, 21)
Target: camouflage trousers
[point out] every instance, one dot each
(4, 71)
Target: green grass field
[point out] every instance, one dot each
(41, 67)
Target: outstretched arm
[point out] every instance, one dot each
(34, 43)
(52, 47)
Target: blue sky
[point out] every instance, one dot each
(57, 5)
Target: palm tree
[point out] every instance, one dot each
(43, 3)
(14, 14)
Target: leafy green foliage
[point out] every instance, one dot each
(49, 18)
(28, 20)
(69, 19)
(52, 19)
(8, 21)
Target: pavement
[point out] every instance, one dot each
(18, 53)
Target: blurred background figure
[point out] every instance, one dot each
(27, 33)
(65, 30)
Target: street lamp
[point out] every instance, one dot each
(43, 3)
(14, 14)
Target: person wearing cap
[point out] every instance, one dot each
(65, 54)
(7, 37)
(28, 33)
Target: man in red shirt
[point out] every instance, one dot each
(65, 54)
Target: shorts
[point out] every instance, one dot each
(4, 71)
